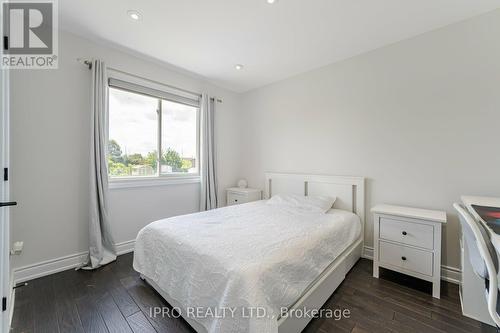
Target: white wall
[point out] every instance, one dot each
(50, 122)
(420, 119)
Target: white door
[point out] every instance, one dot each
(5, 290)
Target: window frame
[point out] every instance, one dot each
(160, 179)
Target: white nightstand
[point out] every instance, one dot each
(236, 195)
(408, 240)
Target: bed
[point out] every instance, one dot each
(236, 269)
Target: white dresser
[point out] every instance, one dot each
(408, 240)
(237, 195)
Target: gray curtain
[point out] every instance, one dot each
(208, 197)
(101, 245)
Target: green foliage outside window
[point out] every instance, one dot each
(173, 159)
(135, 165)
(115, 152)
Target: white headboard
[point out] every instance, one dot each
(350, 191)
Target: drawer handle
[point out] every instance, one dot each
(403, 258)
(404, 233)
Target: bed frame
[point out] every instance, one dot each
(350, 193)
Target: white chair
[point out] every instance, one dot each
(483, 257)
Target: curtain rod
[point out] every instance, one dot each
(88, 63)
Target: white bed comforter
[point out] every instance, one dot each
(251, 255)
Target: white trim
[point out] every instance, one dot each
(149, 89)
(448, 273)
(451, 274)
(5, 226)
(367, 252)
(131, 79)
(11, 306)
(115, 184)
(125, 247)
(47, 267)
(12, 297)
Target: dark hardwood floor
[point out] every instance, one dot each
(114, 299)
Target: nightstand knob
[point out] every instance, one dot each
(235, 200)
(403, 258)
(404, 233)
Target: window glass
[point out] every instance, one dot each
(179, 138)
(133, 134)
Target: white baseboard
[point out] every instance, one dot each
(47, 267)
(125, 247)
(367, 252)
(449, 274)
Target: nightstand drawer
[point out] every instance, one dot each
(236, 198)
(416, 234)
(408, 258)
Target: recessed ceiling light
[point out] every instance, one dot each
(134, 15)
(238, 67)
(271, 1)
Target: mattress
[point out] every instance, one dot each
(246, 259)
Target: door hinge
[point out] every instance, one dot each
(6, 43)
(5, 174)
(4, 303)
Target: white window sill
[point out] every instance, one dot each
(115, 184)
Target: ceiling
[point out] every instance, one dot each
(273, 42)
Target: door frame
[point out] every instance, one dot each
(6, 289)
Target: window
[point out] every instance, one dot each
(179, 138)
(152, 133)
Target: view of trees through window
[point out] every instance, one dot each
(133, 144)
(123, 165)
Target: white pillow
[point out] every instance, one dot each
(320, 204)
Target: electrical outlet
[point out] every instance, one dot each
(17, 248)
